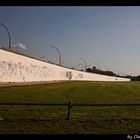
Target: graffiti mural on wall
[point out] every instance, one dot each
(20, 70)
(69, 74)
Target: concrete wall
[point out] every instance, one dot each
(20, 68)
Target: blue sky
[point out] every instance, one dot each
(106, 36)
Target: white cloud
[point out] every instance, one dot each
(20, 45)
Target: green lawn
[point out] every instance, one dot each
(84, 120)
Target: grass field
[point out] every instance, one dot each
(84, 120)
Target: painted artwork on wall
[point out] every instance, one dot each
(69, 74)
(18, 69)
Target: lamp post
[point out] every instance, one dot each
(8, 33)
(85, 62)
(58, 53)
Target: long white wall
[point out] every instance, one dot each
(19, 68)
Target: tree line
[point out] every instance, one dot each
(98, 71)
(110, 73)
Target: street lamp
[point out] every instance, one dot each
(58, 53)
(8, 34)
(84, 62)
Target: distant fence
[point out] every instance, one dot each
(69, 105)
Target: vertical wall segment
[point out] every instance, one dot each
(16, 67)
